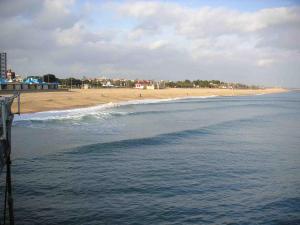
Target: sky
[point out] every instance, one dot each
(252, 42)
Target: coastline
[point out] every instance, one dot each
(50, 101)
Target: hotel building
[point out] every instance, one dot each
(3, 64)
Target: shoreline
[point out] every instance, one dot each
(78, 98)
(122, 103)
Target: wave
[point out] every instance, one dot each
(167, 138)
(96, 111)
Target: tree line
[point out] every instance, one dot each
(207, 84)
(94, 83)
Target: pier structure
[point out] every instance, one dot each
(6, 119)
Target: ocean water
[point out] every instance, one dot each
(214, 160)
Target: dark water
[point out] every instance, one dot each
(221, 160)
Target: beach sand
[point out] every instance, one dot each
(45, 101)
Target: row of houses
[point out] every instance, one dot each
(122, 83)
(49, 81)
(23, 86)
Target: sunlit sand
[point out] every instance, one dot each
(45, 101)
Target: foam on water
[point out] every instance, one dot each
(96, 111)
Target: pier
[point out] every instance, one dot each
(6, 119)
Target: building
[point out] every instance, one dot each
(107, 84)
(3, 64)
(18, 78)
(150, 87)
(10, 75)
(142, 84)
(86, 86)
(139, 86)
(149, 84)
(159, 84)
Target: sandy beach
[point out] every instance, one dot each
(46, 101)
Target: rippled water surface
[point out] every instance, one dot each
(217, 160)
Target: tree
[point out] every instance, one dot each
(171, 84)
(50, 78)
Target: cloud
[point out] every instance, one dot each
(158, 44)
(151, 39)
(12, 8)
(79, 34)
(54, 14)
(265, 62)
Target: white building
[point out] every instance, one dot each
(107, 84)
(150, 87)
(139, 86)
(86, 86)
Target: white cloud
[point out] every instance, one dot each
(69, 37)
(158, 44)
(265, 62)
(152, 39)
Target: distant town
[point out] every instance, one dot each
(11, 81)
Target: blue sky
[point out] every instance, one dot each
(253, 42)
(242, 5)
(246, 6)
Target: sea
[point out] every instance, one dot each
(193, 160)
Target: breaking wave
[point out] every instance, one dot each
(99, 111)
